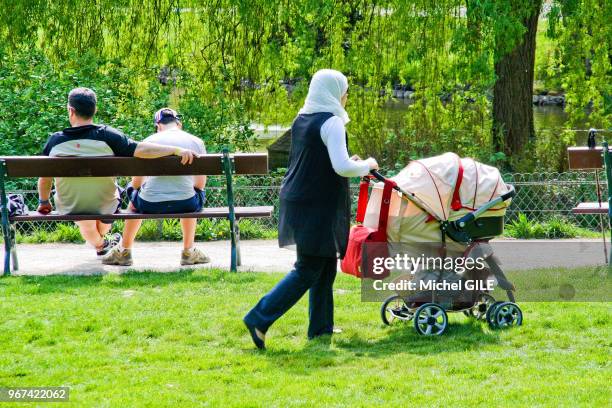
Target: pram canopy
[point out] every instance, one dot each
(441, 188)
(447, 184)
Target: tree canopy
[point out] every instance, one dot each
(229, 62)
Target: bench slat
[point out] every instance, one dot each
(591, 208)
(209, 164)
(582, 158)
(213, 212)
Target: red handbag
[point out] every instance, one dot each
(365, 244)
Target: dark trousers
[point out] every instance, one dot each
(313, 273)
(193, 204)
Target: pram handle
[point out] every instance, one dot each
(467, 218)
(382, 178)
(377, 175)
(509, 194)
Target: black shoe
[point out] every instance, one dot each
(260, 343)
(110, 242)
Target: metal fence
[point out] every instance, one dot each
(540, 196)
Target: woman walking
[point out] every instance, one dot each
(314, 208)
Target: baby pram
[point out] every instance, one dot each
(460, 204)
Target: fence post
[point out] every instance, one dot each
(227, 169)
(6, 228)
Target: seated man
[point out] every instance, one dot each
(165, 194)
(92, 195)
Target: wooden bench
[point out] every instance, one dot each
(584, 158)
(209, 164)
(594, 158)
(591, 208)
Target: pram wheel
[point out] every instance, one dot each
(481, 307)
(507, 314)
(394, 309)
(430, 319)
(490, 314)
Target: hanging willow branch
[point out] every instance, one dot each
(442, 49)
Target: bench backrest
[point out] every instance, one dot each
(582, 158)
(208, 164)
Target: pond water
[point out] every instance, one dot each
(549, 118)
(553, 119)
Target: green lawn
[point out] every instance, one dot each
(145, 339)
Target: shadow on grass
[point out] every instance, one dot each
(63, 283)
(459, 336)
(316, 354)
(324, 352)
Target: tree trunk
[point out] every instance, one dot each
(513, 90)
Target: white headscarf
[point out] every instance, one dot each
(326, 89)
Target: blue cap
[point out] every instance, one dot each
(166, 113)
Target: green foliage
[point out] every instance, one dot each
(34, 92)
(206, 230)
(252, 62)
(521, 227)
(34, 95)
(251, 229)
(66, 233)
(547, 77)
(219, 120)
(37, 236)
(149, 231)
(583, 41)
(555, 227)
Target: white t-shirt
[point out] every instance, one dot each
(333, 135)
(171, 188)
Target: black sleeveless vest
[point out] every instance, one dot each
(314, 212)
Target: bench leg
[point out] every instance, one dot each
(14, 248)
(6, 227)
(234, 244)
(237, 234)
(7, 248)
(227, 169)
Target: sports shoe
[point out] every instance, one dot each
(193, 256)
(118, 256)
(110, 241)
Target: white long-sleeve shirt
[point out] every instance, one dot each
(333, 136)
